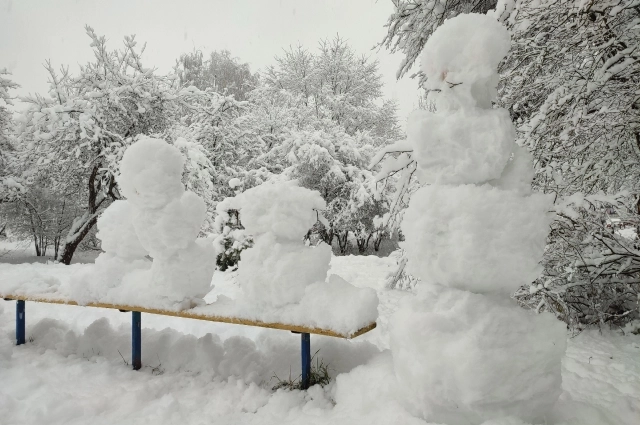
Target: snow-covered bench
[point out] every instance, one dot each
(284, 284)
(198, 313)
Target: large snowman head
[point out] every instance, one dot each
(461, 60)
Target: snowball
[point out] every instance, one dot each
(116, 232)
(276, 273)
(347, 303)
(476, 238)
(282, 208)
(164, 232)
(462, 146)
(464, 358)
(462, 57)
(235, 182)
(187, 273)
(96, 283)
(151, 173)
(518, 173)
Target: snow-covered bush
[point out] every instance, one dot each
(592, 264)
(572, 92)
(334, 163)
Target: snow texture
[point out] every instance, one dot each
(464, 358)
(151, 173)
(116, 231)
(277, 272)
(475, 238)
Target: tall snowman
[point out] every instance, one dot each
(463, 352)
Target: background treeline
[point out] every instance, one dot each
(315, 115)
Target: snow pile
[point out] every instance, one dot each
(462, 358)
(474, 357)
(159, 219)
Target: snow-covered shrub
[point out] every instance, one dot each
(592, 264)
(231, 238)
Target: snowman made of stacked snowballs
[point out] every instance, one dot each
(463, 352)
(159, 219)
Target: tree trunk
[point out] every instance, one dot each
(363, 243)
(74, 240)
(35, 243)
(327, 236)
(82, 225)
(343, 241)
(377, 241)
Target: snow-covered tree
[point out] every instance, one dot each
(570, 81)
(221, 72)
(42, 217)
(5, 116)
(76, 136)
(333, 163)
(10, 186)
(335, 84)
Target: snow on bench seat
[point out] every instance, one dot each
(331, 309)
(198, 313)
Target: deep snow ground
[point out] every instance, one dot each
(72, 372)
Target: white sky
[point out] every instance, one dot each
(32, 31)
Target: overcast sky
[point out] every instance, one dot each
(32, 31)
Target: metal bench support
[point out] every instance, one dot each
(20, 323)
(136, 340)
(306, 360)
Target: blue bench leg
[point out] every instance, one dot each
(306, 360)
(136, 340)
(20, 323)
